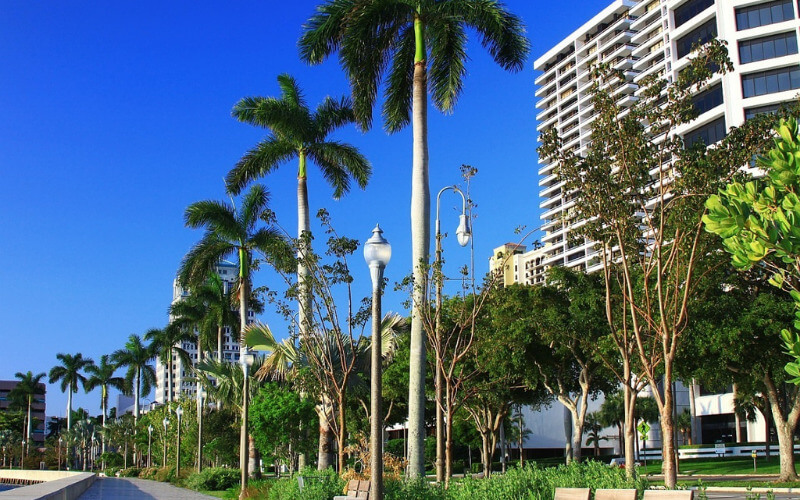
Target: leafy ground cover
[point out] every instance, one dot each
(718, 466)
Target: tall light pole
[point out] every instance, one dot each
(201, 395)
(377, 253)
(166, 424)
(179, 413)
(150, 445)
(60, 440)
(463, 234)
(246, 359)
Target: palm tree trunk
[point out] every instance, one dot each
(199, 414)
(219, 343)
(169, 376)
(244, 442)
(420, 247)
(303, 233)
(28, 439)
(69, 408)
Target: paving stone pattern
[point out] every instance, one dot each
(109, 488)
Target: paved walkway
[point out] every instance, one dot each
(118, 487)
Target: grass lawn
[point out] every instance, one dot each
(719, 466)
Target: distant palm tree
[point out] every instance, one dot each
(298, 132)
(102, 375)
(231, 232)
(69, 373)
(165, 344)
(410, 43)
(141, 375)
(25, 391)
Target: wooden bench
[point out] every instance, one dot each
(615, 494)
(572, 493)
(668, 494)
(357, 490)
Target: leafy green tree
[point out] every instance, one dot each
(140, 376)
(280, 418)
(69, 373)
(639, 191)
(411, 45)
(592, 428)
(165, 344)
(28, 387)
(102, 375)
(298, 132)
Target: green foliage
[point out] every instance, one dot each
(318, 485)
(130, 472)
(111, 471)
(214, 479)
(279, 419)
(759, 222)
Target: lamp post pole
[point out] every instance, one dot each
(166, 424)
(463, 234)
(60, 440)
(377, 253)
(179, 413)
(150, 445)
(246, 360)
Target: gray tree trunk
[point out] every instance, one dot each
(420, 248)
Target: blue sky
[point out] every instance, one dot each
(114, 116)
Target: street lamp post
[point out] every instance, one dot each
(166, 424)
(60, 440)
(246, 359)
(150, 445)
(463, 234)
(377, 253)
(179, 413)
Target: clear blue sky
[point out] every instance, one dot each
(114, 116)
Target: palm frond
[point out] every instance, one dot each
(338, 162)
(283, 118)
(203, 258)
(448, 58)
(323, 32)
(216, 216)
(332, 114)
(275, 247)
(267, 156)
(290, 91)
(254, 202)
(400, 82)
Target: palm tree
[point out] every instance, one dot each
(141, 375)
(102, 376)
(411, 42)
(230, 232)
(69, 373)
(164, 343)
(297, 132)
(28, 387)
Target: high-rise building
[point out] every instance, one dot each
(655, 37)
(37, 408)
(182, 374)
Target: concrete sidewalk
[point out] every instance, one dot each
(105, 488)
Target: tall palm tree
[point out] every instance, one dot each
(28, 387)
(231, 232)
(165, 345)
(141, 375)
(297, 132)
(69, 373)
(410, 43)
(102, 375)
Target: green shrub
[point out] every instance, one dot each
(318, 485)
(148, 473)
(130, 472)
(214, 479)
(111, 471)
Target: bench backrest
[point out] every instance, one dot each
(358, 488)
(668, 494)
(572, 493)
(615, 494)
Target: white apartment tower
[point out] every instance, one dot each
(643, 37)
(181, 374)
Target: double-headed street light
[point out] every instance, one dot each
(377, 253)
(463, 235)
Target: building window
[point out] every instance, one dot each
(750, 113)
(768, 47)
(708, 134)
(699, 36)
(708, 100)
(770, 82)
(690, 9)
(763, 14)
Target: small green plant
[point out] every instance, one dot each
(770, 494)
(701, 490)
(749, 495)
(214, 479)
(130, 472)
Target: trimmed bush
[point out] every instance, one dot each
(130, 472)
(214, 479)
(318, 485)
